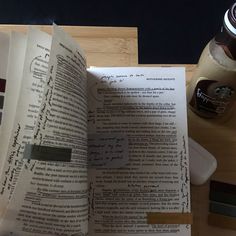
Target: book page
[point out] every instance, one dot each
(4, 50)
(148, 106)
(15, 65)
(32, 85)
(51, 194)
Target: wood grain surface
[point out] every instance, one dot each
(103, 46)
(218, 136)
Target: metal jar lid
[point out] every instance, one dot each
(230, 20)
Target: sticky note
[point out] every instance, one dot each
(223, 192)
(2, 85)
(107, 150)
(222, 208)
(223, 197)
(45, 153)
(169, 218)
(1, 101)
(223, 187)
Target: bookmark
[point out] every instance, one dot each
(169, 218)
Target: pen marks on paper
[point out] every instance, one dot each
(109, 81)
(107, 150)
(184, 176)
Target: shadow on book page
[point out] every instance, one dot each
(107, 150)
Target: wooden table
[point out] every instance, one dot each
(219, 138)
(103, 46)
(109, 46)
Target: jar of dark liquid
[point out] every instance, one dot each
(212, 90)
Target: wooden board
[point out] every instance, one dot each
(117, 46)
(103, 46)
(219, 138)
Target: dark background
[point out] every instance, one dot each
(169, 31)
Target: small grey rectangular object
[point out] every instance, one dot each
(45, 153)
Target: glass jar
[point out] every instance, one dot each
(212, 90)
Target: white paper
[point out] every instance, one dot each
(34, 77)
(137, 121)
(51, 196)
(13, 86)
(147, 105)
(4, 51)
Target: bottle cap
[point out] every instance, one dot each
(232, 15)
(230, 20)
(227, 37)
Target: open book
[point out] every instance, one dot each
(98, 151)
